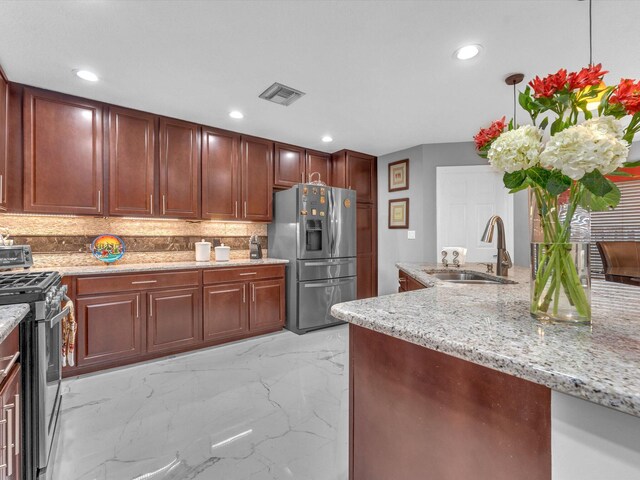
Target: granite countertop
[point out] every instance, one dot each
(490, 325)
(10, 317)
(153, 267)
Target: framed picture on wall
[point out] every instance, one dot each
(399, 175)
(399, 213)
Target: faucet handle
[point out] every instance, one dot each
(489, 267)
(506, 259)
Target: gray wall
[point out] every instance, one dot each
(393, 245)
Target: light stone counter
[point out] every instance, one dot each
(155, 267)
(490, 325)
(10, 318)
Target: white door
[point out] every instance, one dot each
(466, 198)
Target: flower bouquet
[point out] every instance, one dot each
(565, 171)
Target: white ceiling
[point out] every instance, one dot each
(379, 76)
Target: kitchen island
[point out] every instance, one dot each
(458, 380)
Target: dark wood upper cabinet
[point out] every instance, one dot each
(132, 147)
(62, 154)
(220, 175)
(257, 179)
(289, 165)
(174, 319)
(318, 162)
(179, 169)
(4, 138)
(356, 171)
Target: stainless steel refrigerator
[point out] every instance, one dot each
(314, 228)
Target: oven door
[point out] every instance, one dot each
(49, 376)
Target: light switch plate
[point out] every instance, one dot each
(411, 234)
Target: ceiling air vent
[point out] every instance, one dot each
(281, 94)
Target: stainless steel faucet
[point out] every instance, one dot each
(503, 263)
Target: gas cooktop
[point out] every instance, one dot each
(23, 282)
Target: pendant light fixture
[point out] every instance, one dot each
(514, 79)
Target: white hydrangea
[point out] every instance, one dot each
(581, 149)
(517, 149)
(606, 124)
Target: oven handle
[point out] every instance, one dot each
(59, 316)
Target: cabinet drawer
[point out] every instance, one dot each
(124, 283)
(233, 274)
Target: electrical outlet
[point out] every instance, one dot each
(411, 234)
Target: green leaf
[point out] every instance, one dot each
(558, 183)
(526, 184)
(604, 203)
(556, 126)
(620, 173)
(544, 123)
(514, 179)
(596, 183)
(632, 164)
(539, 176)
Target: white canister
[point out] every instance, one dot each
(222, 253)
(203, 251)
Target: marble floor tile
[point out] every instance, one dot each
(274, 407)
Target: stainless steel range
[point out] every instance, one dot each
(314, 228)
(41, 358)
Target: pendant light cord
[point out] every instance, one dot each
(515, 122)
(590, 36)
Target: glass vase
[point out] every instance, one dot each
(560, 228)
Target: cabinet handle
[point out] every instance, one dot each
(164, 204)
(302, 177)
(151, 202)
(245, 209)
(236, 215)
(249, 273)
(4, 447)
(253, 292)
(144, 281)
(9, 438)
(99, 201)
(137, 306)
(17, 437)
(244, 291)
(1, 188)
(8, 368)
(151, 305)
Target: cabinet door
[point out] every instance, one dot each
(62, 154)
(11, 437)
(225, 311)
(4, 139)
(109, 328)
(361, 174)
(289, 165)
(173, 319)
(179, 169)
(366, 250)
(321, 163)
(132, 139)
(220, 174)
(266, 306)
(257, 179)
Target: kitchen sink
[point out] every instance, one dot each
(467, 277)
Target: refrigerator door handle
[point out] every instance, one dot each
(332, 221)
(335, 283)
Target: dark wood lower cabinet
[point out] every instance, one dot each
(267, 306)
(11, 436)
(171, 312)
(174, 319)
(225, 311)
(407, 283)
(109, 328)
(420, 414)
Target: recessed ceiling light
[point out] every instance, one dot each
(86, 75)
(236, 114)
(327, 139)
(467, 52)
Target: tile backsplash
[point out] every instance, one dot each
(60, 241)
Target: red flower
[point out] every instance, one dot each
(587, 77)
(627, 94)
(487, 135)
(546, 87)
